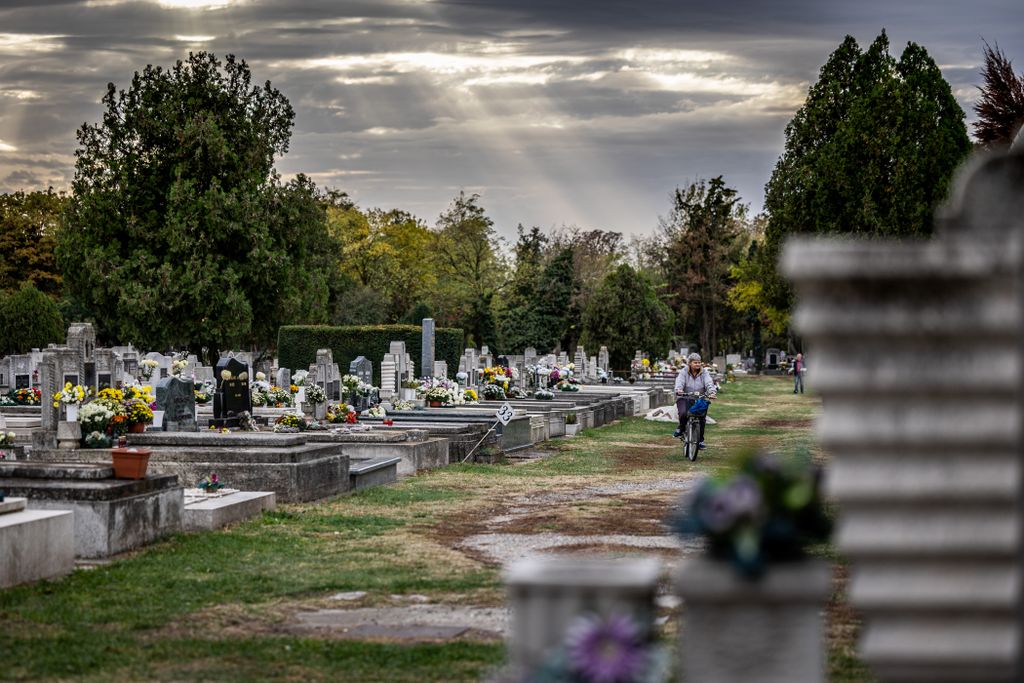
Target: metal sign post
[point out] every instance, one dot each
(505, 414)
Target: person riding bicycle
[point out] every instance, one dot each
(694, 378)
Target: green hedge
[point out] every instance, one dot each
(297, 345)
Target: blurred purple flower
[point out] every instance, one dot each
(744, 496)
(716, 511)
(606, 650)
(213, 478)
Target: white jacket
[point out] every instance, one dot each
(703, 383)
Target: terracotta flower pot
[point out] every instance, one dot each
(435, 404)
(130, 463)
(137, 428)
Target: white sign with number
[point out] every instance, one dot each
(505, 413)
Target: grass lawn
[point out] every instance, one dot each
(220, 606)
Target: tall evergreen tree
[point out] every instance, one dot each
(179, 230)
(28, 238)
(28, 319)
(871, 152)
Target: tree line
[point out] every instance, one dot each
(179, 231)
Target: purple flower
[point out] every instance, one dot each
(606, 650)
(213, 478)
(744, 496)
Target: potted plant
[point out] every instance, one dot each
(139, 414)
(316, 395)
(571, 425)
(493, 392)
(758, 583)
(210, 484)
(130, 463)
(437, 396)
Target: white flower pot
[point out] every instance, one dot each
(407, 394)
(71, 411)
(571, 429)
(158, 419)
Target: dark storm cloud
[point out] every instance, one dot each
(558, 112)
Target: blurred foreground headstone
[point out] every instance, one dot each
(918, 358)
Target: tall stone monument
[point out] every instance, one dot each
(918, 352)
(427, 352)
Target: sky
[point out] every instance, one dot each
(558, 113)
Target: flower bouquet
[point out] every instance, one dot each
(336, 414)
(7, 439)
(299, 378)
(203, 397)
(210, 484)
(147, 368)
(543, 395)
(290, 423)
(516, 392)
(402, 405)
(316, 394)
(350, 382)
(97, 439)
(137, 412)
(470, 396)
(769, 510)
(95, 417)
(377, 411)
(493, 392)
(605, 649)
(438, 394)
(279, 398)
(178, 367)
(26, 397)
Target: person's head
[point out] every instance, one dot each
(799, 356)
(693, 361)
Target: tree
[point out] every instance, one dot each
(470, 269)
(1000, 108)
(871, 152)
(625, 314)
(519, 322)
(594, 254)
(704, 234)
(28, 228)
(179, 231)
(29, 319)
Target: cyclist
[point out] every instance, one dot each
(694, 377)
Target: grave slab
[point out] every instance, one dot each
(369, 472)
(213, 513)
(35, 544)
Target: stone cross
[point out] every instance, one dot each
(427, 351)
(926, 453)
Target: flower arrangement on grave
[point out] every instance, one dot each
(26, 397)
(137, 411)
(315, 394)
(438, 394)
(294, 388)
(97, 439)
(493, 392)
(299, 379)
(261, 377)
(259, 398)
(377, 411)
(768, 510)
(203, 396)
(352, 418)
(470, 396)
(7, 439)
(570, 418)
(290, 422)
(516, 392)
(210, 484)
(554, 375)
(600, 649)
(337, 413)
(568, 386)
(110, 394)
(350, 382)
(543, 395)
(142, 393)
(411, 384)
(364, 389)
(279, 398)
(95, 417)
(398, 404)
(6, 400)
(147, 367)
(70, 395)
(178, 367)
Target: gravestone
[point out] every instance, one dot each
(602, 358)
(388, 378)
(22, 382)
(563, 359)
(592, 368)
(917, 356)
(772, 358)
(284, 377)
(530, 355)
(580, 361)
(427, 352)
(232, 396)
(502, 362)
(362, 368)
(176, 397)
(441, 369)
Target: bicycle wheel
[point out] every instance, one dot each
(692, 438)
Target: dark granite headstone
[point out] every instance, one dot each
(90, 373)
(177, 399)
(502, 362)
(362, 368)
(232, 396)
(70, 378)
(103, 380)
(21, 382)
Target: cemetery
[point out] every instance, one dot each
(262, 420)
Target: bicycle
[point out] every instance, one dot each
(691, 432)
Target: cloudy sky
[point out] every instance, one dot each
(557, 112)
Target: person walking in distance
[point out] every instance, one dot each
(693, 378)
(798, 374)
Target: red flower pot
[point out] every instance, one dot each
(137, 428)
(130, 463)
